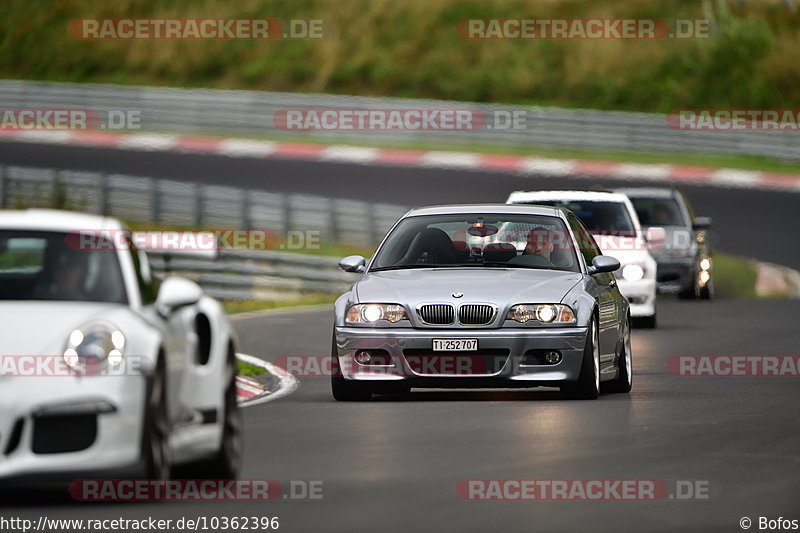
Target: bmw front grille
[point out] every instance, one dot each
(440, 314)
(475, 314)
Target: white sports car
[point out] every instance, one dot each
(103, 373)
(613, 223)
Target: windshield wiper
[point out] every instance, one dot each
(409, 266)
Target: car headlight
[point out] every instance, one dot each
(633, 272)
(705, 264)
(545, 313)
(371, 313)
(94, 343)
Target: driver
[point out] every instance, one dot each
(64, 276)
(540, 243)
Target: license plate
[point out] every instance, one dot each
(455, 345)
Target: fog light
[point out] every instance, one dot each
(704, 277)
(632, 272)
(552, 357)
(363, 357)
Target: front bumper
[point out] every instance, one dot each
(411, 360)
(54, 427)
(676, 276)
(641, 295)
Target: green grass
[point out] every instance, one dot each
(248, 370)
(244, 306)
(410, 49)
(734, 277)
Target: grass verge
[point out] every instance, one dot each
(245, 306)
(734, 277)
(249, 370)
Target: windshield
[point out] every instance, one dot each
(658, 212)
(478, 241)
(48, 266)
(599, 217)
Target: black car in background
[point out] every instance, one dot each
(684, 261)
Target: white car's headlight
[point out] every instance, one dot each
(371, 313)
(545, 313)
(633, 272)
(94, 342)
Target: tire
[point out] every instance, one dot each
(399, 391)
(707, 292)
(647, 322)
(688, 294)
(155, 443)
(588, 385)
(342, 389)
(624, 380)
(227, 462)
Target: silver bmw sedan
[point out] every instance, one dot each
(478, 296)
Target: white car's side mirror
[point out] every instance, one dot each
(176, 292)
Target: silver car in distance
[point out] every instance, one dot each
(454, 298)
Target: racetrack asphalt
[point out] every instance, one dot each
(393, 465)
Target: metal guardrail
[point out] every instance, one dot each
(252, 112)
(235, 274)
(187, 204)
(258, 275)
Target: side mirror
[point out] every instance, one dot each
(701, 223)
(656, 238)
(353, 263)
(603, 263)
(176, 292)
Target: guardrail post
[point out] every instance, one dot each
(372, 222)
(155, 201)
(56, 202)
(102, 193)
(286, 218)
(3, 187)
(199, 204)
(333, 220)
(246, 223)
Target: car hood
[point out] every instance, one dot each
(499, 286)
(42, 327)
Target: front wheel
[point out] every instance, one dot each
(588, 385)
(624, 379)
(647, 322)
(156, 450)
(707, 292)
